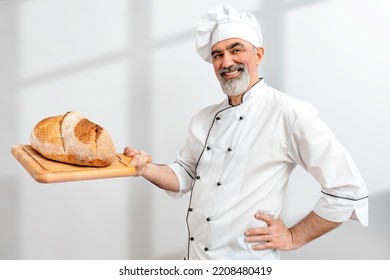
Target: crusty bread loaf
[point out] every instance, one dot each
(71, 138)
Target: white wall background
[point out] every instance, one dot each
(131, 67)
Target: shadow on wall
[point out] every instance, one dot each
(352, 241)
(9, 216)
(9, 183)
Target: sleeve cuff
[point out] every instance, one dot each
(338, 209)
(185, 180)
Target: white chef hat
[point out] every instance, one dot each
(224, 22)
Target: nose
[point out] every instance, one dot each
(227, 61)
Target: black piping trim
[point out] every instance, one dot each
(353, 199)
(189, 174)
(193, 182)
(188, 227)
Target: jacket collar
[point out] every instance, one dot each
(249, 93)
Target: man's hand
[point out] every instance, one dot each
(275, 236)
(139, 161)
(278, 236)
(159, 174)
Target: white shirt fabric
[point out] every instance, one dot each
(237, 161)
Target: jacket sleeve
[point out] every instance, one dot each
(313, 146)
(184, 167)
(185, 178)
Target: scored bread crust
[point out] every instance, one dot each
(73, 139)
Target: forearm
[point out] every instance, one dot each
(311, 227)
(162, 176)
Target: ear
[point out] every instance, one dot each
(259, 55)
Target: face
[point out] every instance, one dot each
(235, 64)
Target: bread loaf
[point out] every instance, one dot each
(73, 139)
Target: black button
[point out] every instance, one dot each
(198, 177)
(206, 248)
(230, 149)
(242, 117)
(208, 219)
(192, 239)
(190, 209)
(219, 184)
(218, 118)
(208, 148)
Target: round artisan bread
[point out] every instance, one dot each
(73, 139)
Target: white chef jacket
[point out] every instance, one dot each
(237, 161)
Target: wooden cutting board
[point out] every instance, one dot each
(44, 170)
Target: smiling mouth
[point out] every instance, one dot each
(229, 73)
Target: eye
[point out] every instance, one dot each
(217, 56)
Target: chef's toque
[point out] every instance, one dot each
(224, 22)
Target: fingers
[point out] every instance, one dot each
(140, 155)
(257, 231)
(270, 236)
(263, 230)
(257, 236)
(264, 217)
(263, 246)
(141, 158)
(261, 237)
(130, 152)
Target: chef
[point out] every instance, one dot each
(239, 155)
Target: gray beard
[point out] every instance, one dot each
(235, 86)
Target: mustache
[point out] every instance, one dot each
(234, 67)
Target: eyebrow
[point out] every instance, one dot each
(229, 47)
(236, 44)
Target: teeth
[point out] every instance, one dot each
(231, 73)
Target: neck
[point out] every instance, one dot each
(236, 100)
